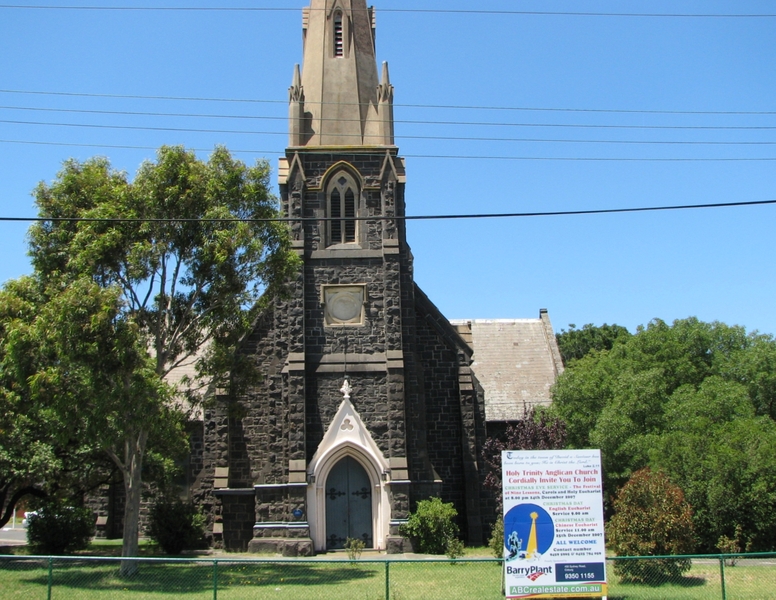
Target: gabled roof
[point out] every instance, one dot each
(516, 361)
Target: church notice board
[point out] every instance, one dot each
(553, 524)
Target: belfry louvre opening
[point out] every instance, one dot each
(338, 41)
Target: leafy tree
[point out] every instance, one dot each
(693, 399)
(95, 374)
(652, 518)
(721, 454)
(42, 453)
(576, 343)
(139, 278)
(26, 456)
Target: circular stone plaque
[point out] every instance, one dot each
(345, 305)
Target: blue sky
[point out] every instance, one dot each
(673, 73)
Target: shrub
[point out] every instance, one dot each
(431, 526)
(728, 545)
(652, 518)
(354, 547)
(496, 541)
(56, 529)
(176, 525)
(455, 548)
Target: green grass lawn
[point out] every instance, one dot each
(26, 578)
(238, 580)
(749, 580)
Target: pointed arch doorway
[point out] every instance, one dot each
(348, 504)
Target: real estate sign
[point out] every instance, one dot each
(553, 524)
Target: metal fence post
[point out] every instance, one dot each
(215, 580)
(50, 575)
(722, 575)
(387, 581)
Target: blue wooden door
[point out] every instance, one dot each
(348, 505)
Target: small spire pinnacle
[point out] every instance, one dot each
(296, 135)
(295, 92)
(385, 89)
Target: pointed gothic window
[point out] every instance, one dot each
(338, 35)
(342, 205)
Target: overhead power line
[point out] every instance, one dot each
(398, 10)
(415, 122)
(561, 213)
(421, 156)
(396, 104)
(272, 118)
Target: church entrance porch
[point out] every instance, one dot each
(348, 505)
(350, 481)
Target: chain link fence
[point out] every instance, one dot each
(726, 577)
(698, 577)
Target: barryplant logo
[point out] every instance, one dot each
(533, 572)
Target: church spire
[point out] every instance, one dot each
(339, 101)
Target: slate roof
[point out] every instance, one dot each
(516, 362)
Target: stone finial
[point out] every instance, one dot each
(346, 389)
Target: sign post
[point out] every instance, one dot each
(553, 524)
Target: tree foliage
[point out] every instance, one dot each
(723, 456)
(695, 400)
(538, 430)
(575, 343)
(43, 453)
(135, 280)
(652, 518)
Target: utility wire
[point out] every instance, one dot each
(260, 117)
(396, 10)
(418, 156)
(524, 140)
(562, 213)
(396, 104)
(412, 122)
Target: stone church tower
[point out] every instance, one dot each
(367, 402)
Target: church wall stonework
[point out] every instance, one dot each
(369, 397)
(258, 438)
(443, 415)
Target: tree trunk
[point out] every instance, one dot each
(133, 487)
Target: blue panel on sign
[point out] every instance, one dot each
(579, 572)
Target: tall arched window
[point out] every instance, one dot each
(339, 44)
(342, 198)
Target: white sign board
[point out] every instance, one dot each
(553, 523)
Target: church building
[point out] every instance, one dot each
(369, 399)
